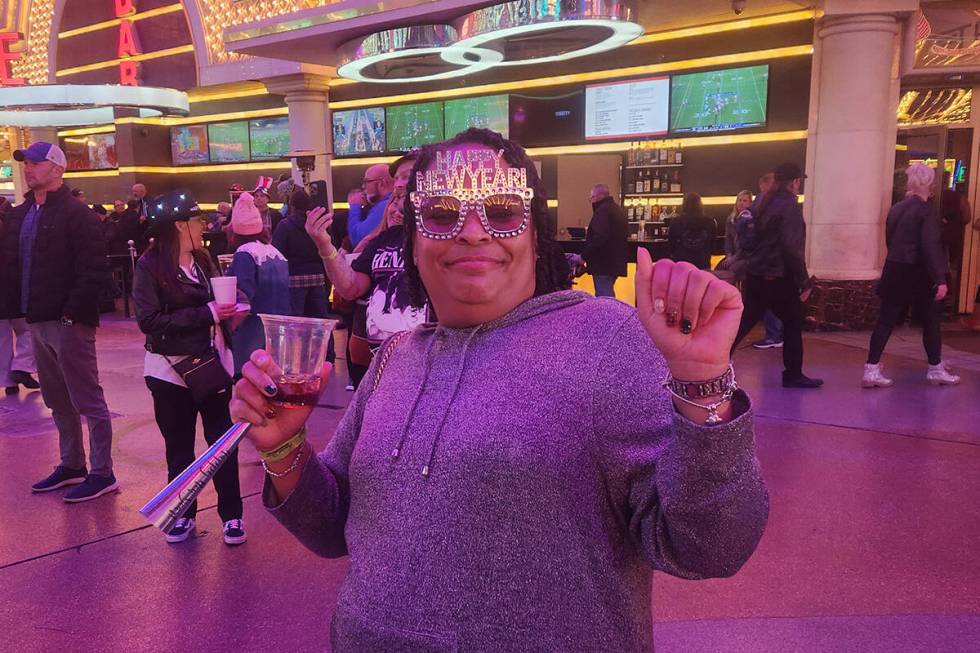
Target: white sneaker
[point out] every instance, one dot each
(234, 532)
(940, 375)
(181, 530)
(873, 378)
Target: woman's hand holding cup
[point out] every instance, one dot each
(252, 402)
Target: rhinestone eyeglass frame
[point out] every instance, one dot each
(472, 199)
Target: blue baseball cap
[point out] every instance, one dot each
(42, 151)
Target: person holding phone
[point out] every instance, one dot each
(914, 275)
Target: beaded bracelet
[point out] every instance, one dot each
(289, 470)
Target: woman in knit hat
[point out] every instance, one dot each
(263, 275)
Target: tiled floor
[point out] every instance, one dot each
(871, 545)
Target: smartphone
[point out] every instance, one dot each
(318, 194)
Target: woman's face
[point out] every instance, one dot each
(473, 277)
(190, 233)
(743, 202)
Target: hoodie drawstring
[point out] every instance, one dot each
(452, 400)
(426, 356)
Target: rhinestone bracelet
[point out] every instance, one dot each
(724, 385)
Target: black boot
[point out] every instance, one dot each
(800, 380)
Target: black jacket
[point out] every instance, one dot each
(296, 245)
(68, 264)
(914, 235)
(691, 238)
(606, 242)
(779, 250)
(172, 312)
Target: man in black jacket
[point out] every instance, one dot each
(606, 248)
(54, 267)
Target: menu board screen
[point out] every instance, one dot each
(634, 108)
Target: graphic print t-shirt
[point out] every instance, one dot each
(388, 310)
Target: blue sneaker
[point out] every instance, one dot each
(60, 477)
(181, 531)
(766, 343)
(94, 486)
(234, 532)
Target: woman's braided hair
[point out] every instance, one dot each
(552, 272)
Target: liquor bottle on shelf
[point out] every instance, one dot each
(646, 181)
(662, 181)
(631, 155)
(678, 156)
(638, 183)
(675, 183)
(670, 155)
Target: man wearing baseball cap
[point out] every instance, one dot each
(270, 219)
(55, 265)
(776, 274)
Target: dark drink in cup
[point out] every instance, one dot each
(297, 390)
(298, 345)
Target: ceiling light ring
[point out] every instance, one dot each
(71, 105)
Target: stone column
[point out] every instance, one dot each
(309, 120)
(852, 146)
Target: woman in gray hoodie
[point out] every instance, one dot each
(514, 472)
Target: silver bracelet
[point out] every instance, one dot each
(727, 392)
(289, 470)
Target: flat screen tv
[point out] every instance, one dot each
(359, 131)
(228, 142)
(719, 100)
(540, 121)
(6, 172)
(412, 125)
(93, 152)
(189, 145)
(268, 138)
(636, 108)
(487, 112)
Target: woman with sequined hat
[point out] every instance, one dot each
(177, 310)
(508, 477)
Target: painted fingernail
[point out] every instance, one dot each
(659, 305)
(671, 318)
(271, 390)
(270, 414)
(262, 357)
(686, 326)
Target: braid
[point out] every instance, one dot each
(552, 271)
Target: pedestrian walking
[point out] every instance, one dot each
(606, 252)
(691, 235)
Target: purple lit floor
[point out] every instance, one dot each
(873, 542)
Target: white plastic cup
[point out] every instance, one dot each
(225, 290)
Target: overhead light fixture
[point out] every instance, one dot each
(410, 54)
(546, 32)
(514, 33)
(70, 105)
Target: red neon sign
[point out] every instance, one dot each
(6, 56)
(128, 43)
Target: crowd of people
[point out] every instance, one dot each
(55, 256)
(449, 255)
(764, 255)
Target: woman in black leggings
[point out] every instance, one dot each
(914, 276)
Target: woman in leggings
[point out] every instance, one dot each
(914, 276)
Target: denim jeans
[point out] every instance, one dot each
(604, 285)
(774, 327)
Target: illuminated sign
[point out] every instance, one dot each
(6, 56)
(128, 43)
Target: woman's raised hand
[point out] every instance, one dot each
(690, 314)
(251, 402)
(318, 223)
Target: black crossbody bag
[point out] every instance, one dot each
(203, 374)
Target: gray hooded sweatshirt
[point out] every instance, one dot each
(560, 476)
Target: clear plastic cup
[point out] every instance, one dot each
(298, 345)
(225, 290)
